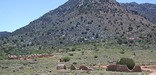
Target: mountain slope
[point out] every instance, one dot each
(3, 34)
(146, 9)
(82, 21)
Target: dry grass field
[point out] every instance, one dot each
(83, 54)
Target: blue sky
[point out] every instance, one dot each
(15, 14)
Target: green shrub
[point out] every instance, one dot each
(67, 49)
(73, 49)
(127, 61)
(66, 59)
(122, 52)
(2, 55)
(95, 56)
(134, 54)
(79, 49)
(71, 54)
(74, 63)
(82, 52)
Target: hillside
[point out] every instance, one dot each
(83, 21)
(3, 34)
(146, 9)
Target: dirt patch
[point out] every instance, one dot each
(150, 68)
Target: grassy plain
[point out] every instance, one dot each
(88, 54)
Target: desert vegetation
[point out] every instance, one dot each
(83, 54)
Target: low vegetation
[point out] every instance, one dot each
(127, 61)
(66, 59)
(106, 54)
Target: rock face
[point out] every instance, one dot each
(146, 9)
(81, 21)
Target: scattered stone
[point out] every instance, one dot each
(72, 67)
(83, 67)
(61, 67)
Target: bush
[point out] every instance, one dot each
(79, 49)
(82, 52)
(67, 49)
(73, 49)
(95, 56)
(122, 52)
(66, 59)
(127, 61)
(2, 55)
(74, 63)
(71, 54)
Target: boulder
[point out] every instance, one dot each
(72, 67)
(83, 67)
(61, 67)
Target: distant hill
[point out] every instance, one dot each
(84, 21)
(147, 10)
(3, 34)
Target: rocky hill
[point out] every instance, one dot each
(146, 9)
(83, 21)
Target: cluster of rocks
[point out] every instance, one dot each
(118, 68)
(73, 67)
(25, 57)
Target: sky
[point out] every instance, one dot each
(15, 14)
